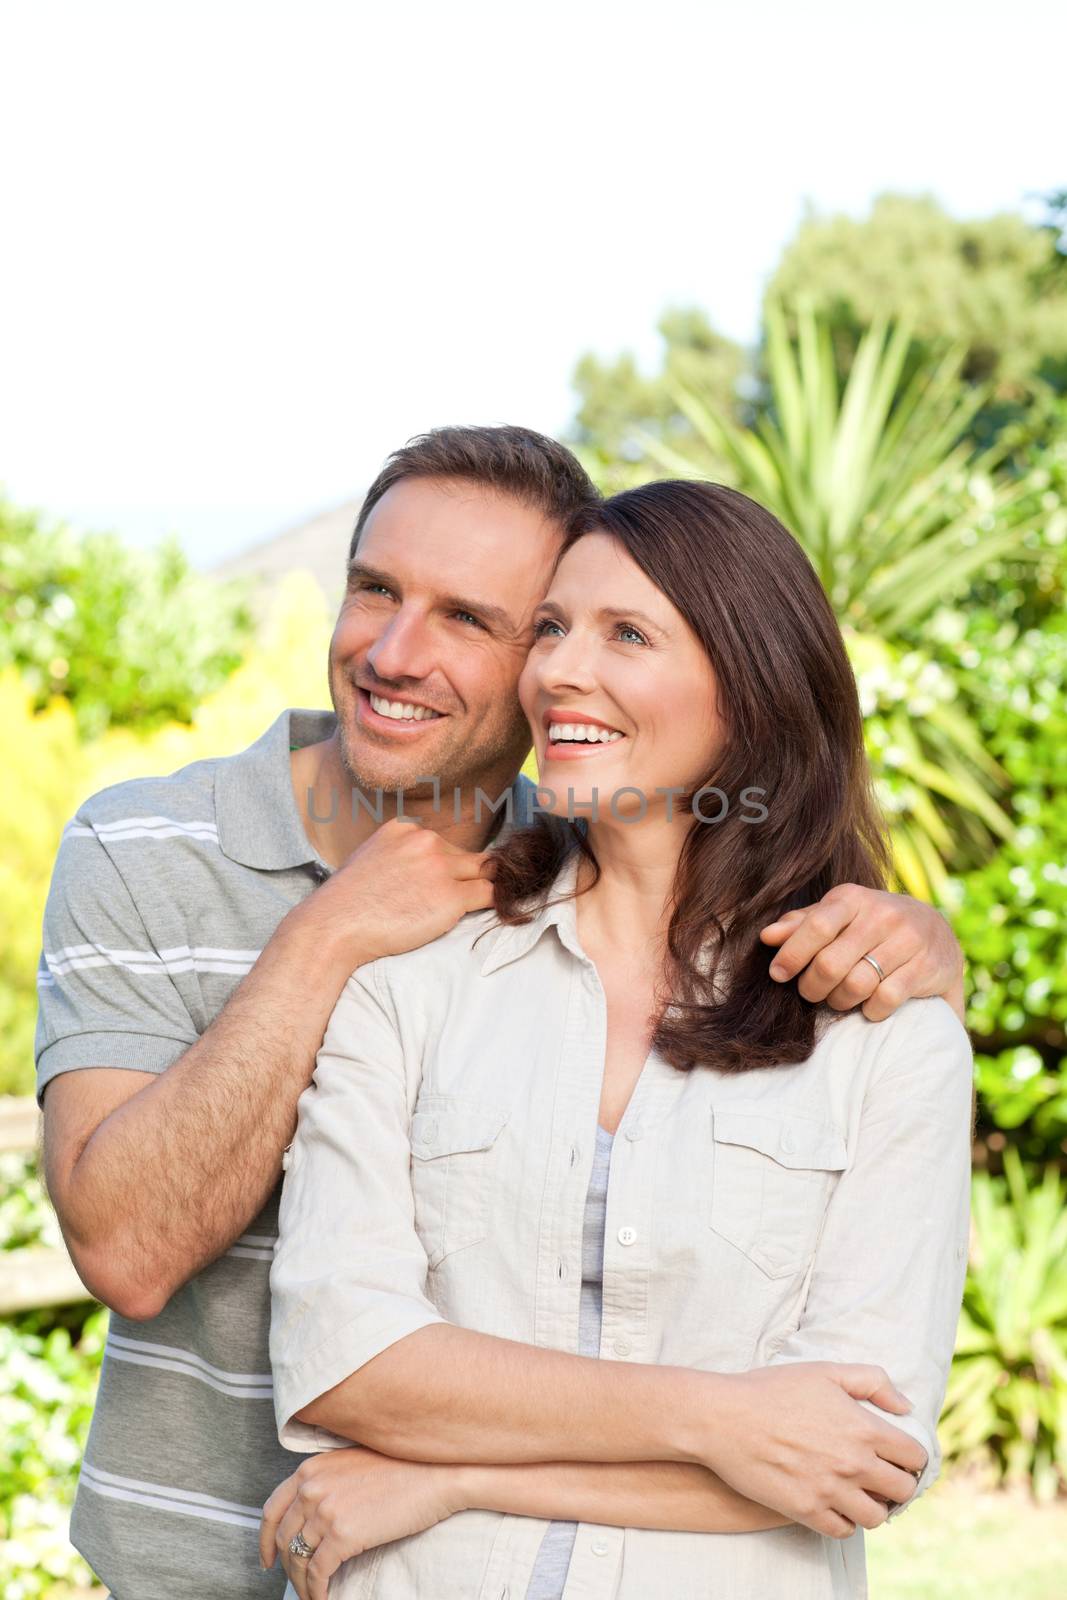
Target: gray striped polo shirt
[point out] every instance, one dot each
(163, 894)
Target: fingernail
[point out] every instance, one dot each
(777, 971)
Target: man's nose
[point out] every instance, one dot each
(402, 650)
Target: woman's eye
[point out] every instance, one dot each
(624, 627)
(542, 625)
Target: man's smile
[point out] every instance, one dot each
(405, 718)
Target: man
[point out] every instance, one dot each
(199, 930)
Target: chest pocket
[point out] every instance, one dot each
(452, 1154)
(773, 1174)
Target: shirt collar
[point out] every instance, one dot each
(507, 942)
(256, 812)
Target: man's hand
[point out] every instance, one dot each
(344, 1502)
(793, 1437)
(826, 944)
(403, 887)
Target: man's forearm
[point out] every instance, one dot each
(674, 1496)
(175, 1173)
(446, 1393)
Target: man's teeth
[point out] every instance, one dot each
(582, 731)
(400, 711)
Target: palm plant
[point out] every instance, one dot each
(899, 513)
(1006, 1403)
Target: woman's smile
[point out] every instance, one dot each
(575, 733)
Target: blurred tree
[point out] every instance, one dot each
(126, 636)
(996, 284)
(618, 404)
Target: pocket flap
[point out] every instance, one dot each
(788, 1138)
(444, 1125)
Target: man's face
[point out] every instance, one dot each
(437, 619)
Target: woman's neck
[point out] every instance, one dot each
(631, 901)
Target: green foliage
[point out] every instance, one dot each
(1019, 1095)
(619, 405)
(46, 763)
(996, 285)
(1006, 1404)
(1010, 915)
(54, 770)
(128, 637)
(49, 1368)
(898, 512)
(26, 1214)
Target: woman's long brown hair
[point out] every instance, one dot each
(788, 701)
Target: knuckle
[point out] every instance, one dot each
(824, 966)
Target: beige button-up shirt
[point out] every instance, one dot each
(439, 1172)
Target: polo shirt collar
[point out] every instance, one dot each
(258, 819)
(256, 812)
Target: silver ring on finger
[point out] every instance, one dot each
(299, 1547)
(877, 965)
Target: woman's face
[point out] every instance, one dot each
(618, 690)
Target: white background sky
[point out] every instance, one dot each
(248, 248)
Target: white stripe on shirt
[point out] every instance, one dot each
(143, 1353)
(162, 1497)
(162, 963)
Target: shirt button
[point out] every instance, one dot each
(626, 1235)
(429, 1134)
(622, 1347)
(600, 1547)
(634, 1132)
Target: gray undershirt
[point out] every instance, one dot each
(549, 1575)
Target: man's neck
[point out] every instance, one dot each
(338, 815)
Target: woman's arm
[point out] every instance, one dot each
(675, 1496)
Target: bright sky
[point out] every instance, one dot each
(251, 247)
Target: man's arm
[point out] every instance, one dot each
(155, 1175)
(825, 944)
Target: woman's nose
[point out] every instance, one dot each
(568, 666)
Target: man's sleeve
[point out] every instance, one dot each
(349, 1271)
(106, 997)
(888, 1278)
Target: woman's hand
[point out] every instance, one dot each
(346, 1501)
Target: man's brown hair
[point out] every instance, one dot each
(528, 466)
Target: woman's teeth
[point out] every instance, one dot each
(580, 731)
(401, 711)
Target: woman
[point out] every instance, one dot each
(587, 1125)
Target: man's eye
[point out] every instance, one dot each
(366, 586)
(470, 617)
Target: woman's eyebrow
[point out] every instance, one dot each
(609, 613)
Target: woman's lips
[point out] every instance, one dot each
(567, 751)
